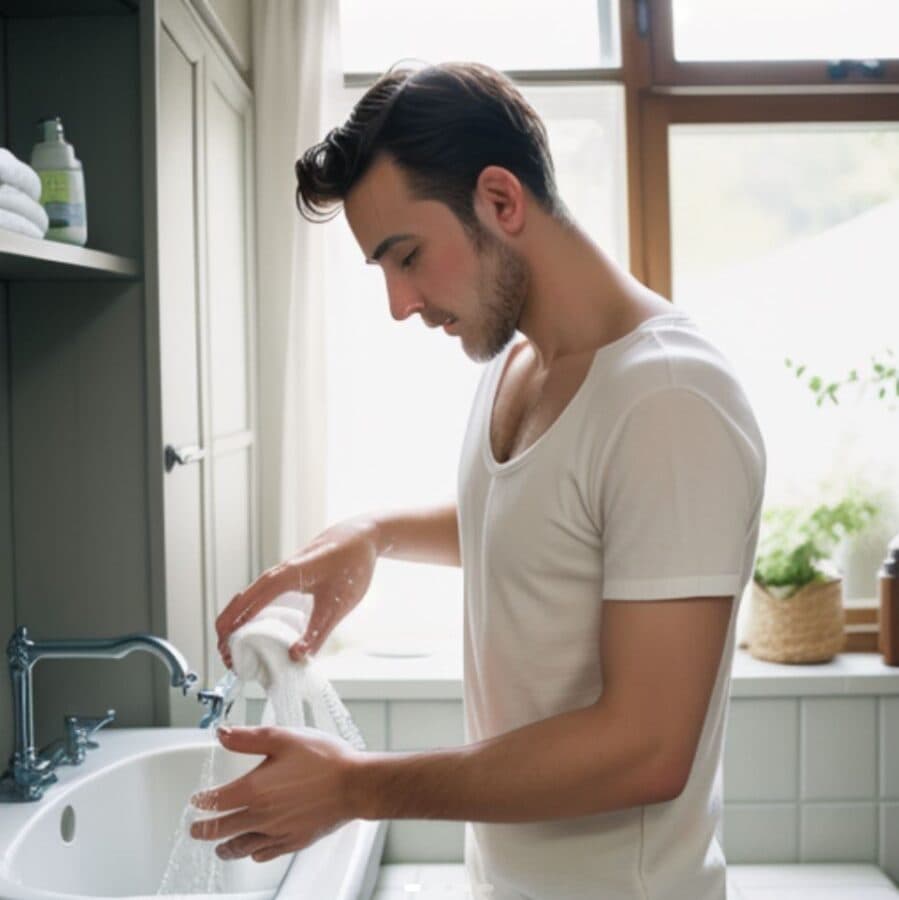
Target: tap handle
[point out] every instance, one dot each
(90, 724)
(80, 730)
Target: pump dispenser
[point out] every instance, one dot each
(62, 183)
(889, 604)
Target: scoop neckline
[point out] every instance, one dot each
(498, 468)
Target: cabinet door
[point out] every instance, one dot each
(230, 266)
(207, 327)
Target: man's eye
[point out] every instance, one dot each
(408, 260)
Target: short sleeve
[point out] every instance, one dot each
(676, 501)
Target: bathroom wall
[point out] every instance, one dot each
(7, 607)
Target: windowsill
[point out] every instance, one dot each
(358, 675)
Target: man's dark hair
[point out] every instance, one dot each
(442, 125)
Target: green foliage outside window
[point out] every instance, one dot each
(883, 376)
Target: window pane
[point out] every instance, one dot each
(398, 393)
(785, 29)
(784, 246)
(505, 34)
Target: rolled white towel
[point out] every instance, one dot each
(259, 648)
(10, 221)
(16, 173)
(15, 201)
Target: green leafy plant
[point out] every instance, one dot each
(883, 376)
(796, 543)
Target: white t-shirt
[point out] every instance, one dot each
(647, 486)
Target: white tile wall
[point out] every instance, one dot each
(762, 737)
(838, 832)
(761, 831)
(424, 841)
(425, 725)
(889, 748)
(370, 717)
(838, 748)
(889, 839)
(422, 725)
(806, 779)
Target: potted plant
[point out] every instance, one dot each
(797, 598)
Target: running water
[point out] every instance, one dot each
(193, 867)
(299, 695)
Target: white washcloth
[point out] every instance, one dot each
(15, 201)
(13, 171)
(10, 221)
(259, 648)
(298, 693)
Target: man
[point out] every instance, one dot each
(610, 489)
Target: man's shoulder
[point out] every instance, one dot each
(668, 351)
(667, 360)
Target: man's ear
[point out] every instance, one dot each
(500, 201)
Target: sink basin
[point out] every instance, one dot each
(107, 828)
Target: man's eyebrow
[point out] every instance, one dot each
(385, 245)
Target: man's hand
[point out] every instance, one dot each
(336, 568)
(297, 795)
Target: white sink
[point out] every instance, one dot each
(107, 827)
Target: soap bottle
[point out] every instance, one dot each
(62, 183)
(889, 604)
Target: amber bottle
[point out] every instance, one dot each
(889, 604)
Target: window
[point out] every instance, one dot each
(752, 30)
(712, 147)
(506, 34)
(793, 224)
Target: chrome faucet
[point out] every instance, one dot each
(30, 772)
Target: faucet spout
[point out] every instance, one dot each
(110, 648)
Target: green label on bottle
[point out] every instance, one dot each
(62, 198)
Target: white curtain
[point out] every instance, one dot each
(296, 62)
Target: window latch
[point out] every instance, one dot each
(642, 17)
(839, 69)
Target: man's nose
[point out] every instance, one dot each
(404, 299)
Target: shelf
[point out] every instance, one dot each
(25, 258)
(44, 8)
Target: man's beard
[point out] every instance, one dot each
(503, 287)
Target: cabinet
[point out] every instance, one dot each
(108, 353)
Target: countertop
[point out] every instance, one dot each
(358, 675)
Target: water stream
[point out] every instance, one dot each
(193, 867)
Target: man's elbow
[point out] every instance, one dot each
(670, 780)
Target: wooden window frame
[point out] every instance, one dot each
(662, 91)
(658, 112)
(668, 71)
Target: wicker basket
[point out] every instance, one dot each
(806, 627)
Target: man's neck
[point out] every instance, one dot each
(580, 299)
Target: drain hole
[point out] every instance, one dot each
(67, 825)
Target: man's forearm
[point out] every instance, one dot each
(426, 535)
(579, 763)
